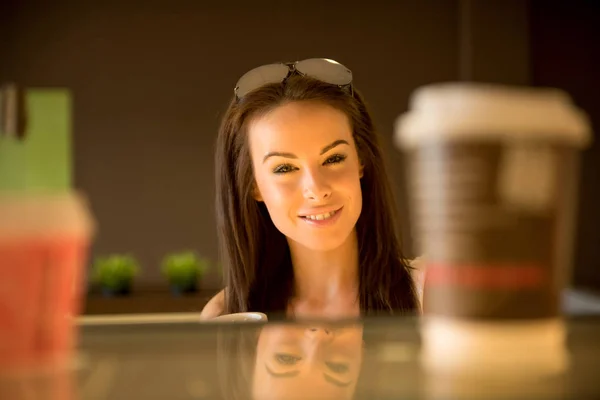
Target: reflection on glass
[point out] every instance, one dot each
(287, 361)
(294, 361)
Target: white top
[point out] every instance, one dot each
(467, 111)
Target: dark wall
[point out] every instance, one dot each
(150, 81)
(565, 53)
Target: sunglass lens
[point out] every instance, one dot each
(263, 75)
(325, 70)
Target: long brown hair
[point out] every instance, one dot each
(255, 255)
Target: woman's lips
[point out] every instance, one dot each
(322, 218)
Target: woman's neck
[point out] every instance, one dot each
(323, 278)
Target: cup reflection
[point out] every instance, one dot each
(47, 384)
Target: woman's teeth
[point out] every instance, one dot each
(319, 217)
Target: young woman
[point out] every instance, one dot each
(306, 220)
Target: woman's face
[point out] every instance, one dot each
(307, 362)
(307, 173)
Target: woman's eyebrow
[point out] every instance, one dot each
(332, 145)
(292, 155)
(335, 381)
(287, 374)
(278, 154)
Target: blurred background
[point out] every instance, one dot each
(141, 86)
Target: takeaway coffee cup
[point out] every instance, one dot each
(493, 174)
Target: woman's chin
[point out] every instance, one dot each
(323, 243)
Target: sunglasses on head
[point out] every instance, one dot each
(322, 69)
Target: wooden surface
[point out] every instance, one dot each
(146, 302)
(575, 302)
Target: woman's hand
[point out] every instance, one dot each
(214, 307)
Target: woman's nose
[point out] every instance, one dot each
(316, 186)
(319, 334)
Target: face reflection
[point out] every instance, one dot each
(307, 172)
(307, 362)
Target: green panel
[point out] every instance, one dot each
(12, 164)
(43, 160)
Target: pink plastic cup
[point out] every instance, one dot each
(44, 241)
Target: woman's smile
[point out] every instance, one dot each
(322, 219)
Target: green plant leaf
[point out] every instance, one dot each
(184, 268)
(115, 271)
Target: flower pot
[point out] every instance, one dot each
(183, 289)
(116, 292)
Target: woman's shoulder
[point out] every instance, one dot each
(417, 272)
(214, 307)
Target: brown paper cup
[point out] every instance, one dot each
(492, 180)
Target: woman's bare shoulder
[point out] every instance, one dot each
(214, 307)
(418, 274)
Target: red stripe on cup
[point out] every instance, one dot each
(482, 276)
(40, 295)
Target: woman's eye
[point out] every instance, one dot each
(286, 359)
(284, 168)
(335, 159)
(339, 368)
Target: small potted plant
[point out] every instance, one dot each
(183, 270)
(115, 273)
